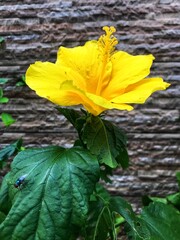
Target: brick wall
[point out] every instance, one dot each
(33, 30)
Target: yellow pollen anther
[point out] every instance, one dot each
(107, 41)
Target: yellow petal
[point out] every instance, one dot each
(44, 77)
(54, 83)
(100, 101)
(139, 92)
(84, 60)
(127, 70)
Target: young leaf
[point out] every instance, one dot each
(95, 136)
(54, 195)
(7, 119)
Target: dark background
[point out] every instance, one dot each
(33, 30)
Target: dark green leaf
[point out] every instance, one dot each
(70, 114)
(121, 206)
(117, 141)
(54, 195)
(178, 179)
(2, 217)
(134, 225)
(1, 92)
(174, 199)
(73, 117)
(21, 81)
(3, 80)
(101, 221)
(104, 225)
(162, 221)
(7, 119)
(2, 40)
(146, 200)
(95, 136)
(123, 158)
(102, 193)
(10, 150)
(5, 203)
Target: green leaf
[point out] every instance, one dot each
(162, 221)
(174, 199)
(1, 92)
(146, 200)
(121, 206)
(10, 150)
(7, 119)
(3, 80)
(54, 195)
(5, 202)
(4, 100)
(101, 222)
(178, 178)
(2, 40)
(95, 136)
(73, 117)
(105, 225)
(2, 217)
(117, 141)
(20, 84)
(134, 225)
(22, 81)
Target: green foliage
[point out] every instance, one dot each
(161, 221)
(106, 141)
(10, 151)
(156, 222)
(3, 80)
(178, 179)
(54, 193)
(54, 196)
(1, 40)
(2, 98)
(101, 138)
(21, 82)
(173, 199)
(7, 119)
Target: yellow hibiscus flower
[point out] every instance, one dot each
(96, 76)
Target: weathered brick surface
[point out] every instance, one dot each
(33, 30)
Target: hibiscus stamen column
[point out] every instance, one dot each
(106, 45)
